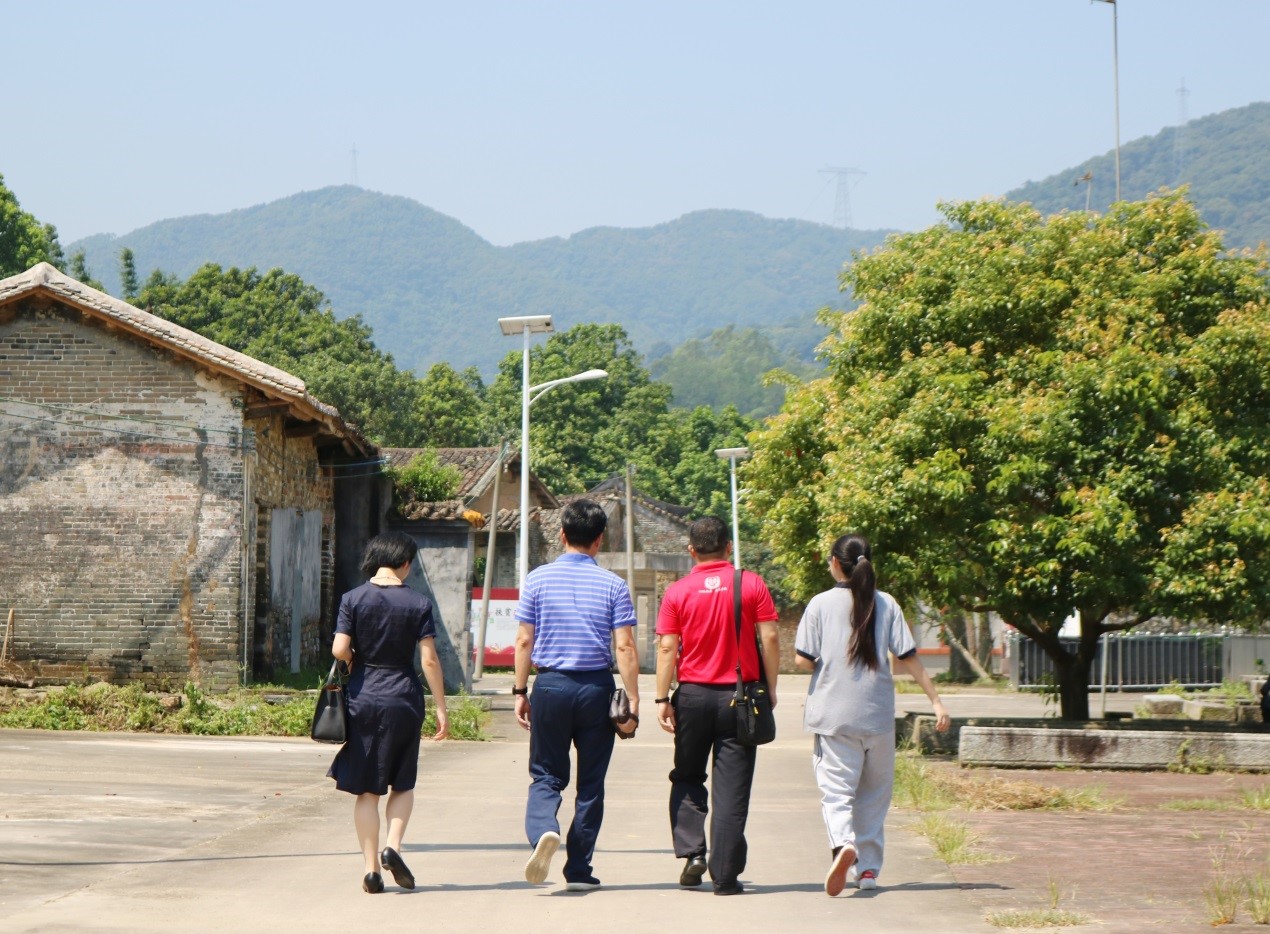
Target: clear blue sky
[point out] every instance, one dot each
(540, 118)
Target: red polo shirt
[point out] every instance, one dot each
(698, 609)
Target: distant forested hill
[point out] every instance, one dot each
(432, 289)
(1225, 158)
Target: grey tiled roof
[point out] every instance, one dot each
(270, 380)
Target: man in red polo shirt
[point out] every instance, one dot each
(697, 633)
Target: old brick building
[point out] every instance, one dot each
(167, 505)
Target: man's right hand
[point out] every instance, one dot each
(522, 710)
(666, 716)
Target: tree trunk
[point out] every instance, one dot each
(1073, 689)
(962, 664)
(984, 646)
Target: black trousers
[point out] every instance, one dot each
(705, 729)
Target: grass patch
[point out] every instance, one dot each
(1200, 804)
(1258, 889)
(1256, 799)
(954, 842)
(924, 788)
(130, 708)
(1037, 918)
(1222, 894)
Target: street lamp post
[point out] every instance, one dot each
(733, 455)
(532, 324)
(1115, 66)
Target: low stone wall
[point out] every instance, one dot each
(1024, 747)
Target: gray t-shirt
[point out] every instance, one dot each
(844, 698)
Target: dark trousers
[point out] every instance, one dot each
(705, 728)
(569, 708)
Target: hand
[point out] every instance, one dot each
(666, 716)
(942, 720)
(443, 727)
(772, 695)
(628, 728)
(522, 710)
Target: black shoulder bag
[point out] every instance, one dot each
(332, 710)
(755, 720)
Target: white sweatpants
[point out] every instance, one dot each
(856, 775)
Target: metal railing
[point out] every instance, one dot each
(1135, 661)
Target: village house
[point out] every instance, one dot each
(168, 506)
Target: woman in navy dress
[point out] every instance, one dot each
(380, 623)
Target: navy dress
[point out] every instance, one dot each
(385, 696)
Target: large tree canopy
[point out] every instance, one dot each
(280, 319)
(24, 241)
(1035, 416)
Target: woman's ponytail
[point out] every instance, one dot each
(855, 559)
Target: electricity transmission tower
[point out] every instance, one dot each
(842, 202)
(354, 172)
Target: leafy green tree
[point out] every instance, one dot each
(280, 319)
(24, 241)
(1039, 416)
(425, 479)
(128, 274)
(451, 409)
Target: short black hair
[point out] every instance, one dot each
(388, 550)
(583, 521)
(708, 537)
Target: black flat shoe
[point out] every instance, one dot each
(397, 866)
(694, 869)
(373, 883)
(728, 888)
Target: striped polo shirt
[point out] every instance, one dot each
(574, 605)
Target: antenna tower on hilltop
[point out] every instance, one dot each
(842, 202)
(1179, 137)
(354, 174)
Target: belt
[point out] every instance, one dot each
(409, 668)
(572, 671)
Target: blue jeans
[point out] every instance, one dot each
(569, 708)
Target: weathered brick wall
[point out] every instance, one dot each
(287, 475)
(120, 539)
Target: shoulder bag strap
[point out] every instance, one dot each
(758, 648)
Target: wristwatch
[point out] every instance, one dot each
(520, 692)
(662, 700)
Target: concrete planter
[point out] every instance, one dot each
(1024, 748)
(1163, 705)
(1208, 710)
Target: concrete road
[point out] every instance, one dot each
(111, 832)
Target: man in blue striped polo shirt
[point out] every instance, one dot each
(571, 611)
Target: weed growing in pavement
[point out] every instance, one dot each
(1186, 762)
(954, 841)
(1200, 804)
(1222, 891)
(1256, 799)
(1037, 918)
(1258, 888)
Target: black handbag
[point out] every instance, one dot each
(755, 719)
(331, 714)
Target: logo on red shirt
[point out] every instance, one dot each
(713, 582)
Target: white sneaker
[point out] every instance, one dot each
(540, 862)
(868, 880)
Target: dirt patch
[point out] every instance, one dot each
(1138, 866)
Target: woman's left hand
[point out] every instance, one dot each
(942, 720)
(443, 727)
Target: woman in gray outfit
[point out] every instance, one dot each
(843, 639)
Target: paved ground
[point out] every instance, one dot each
(108, 832)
